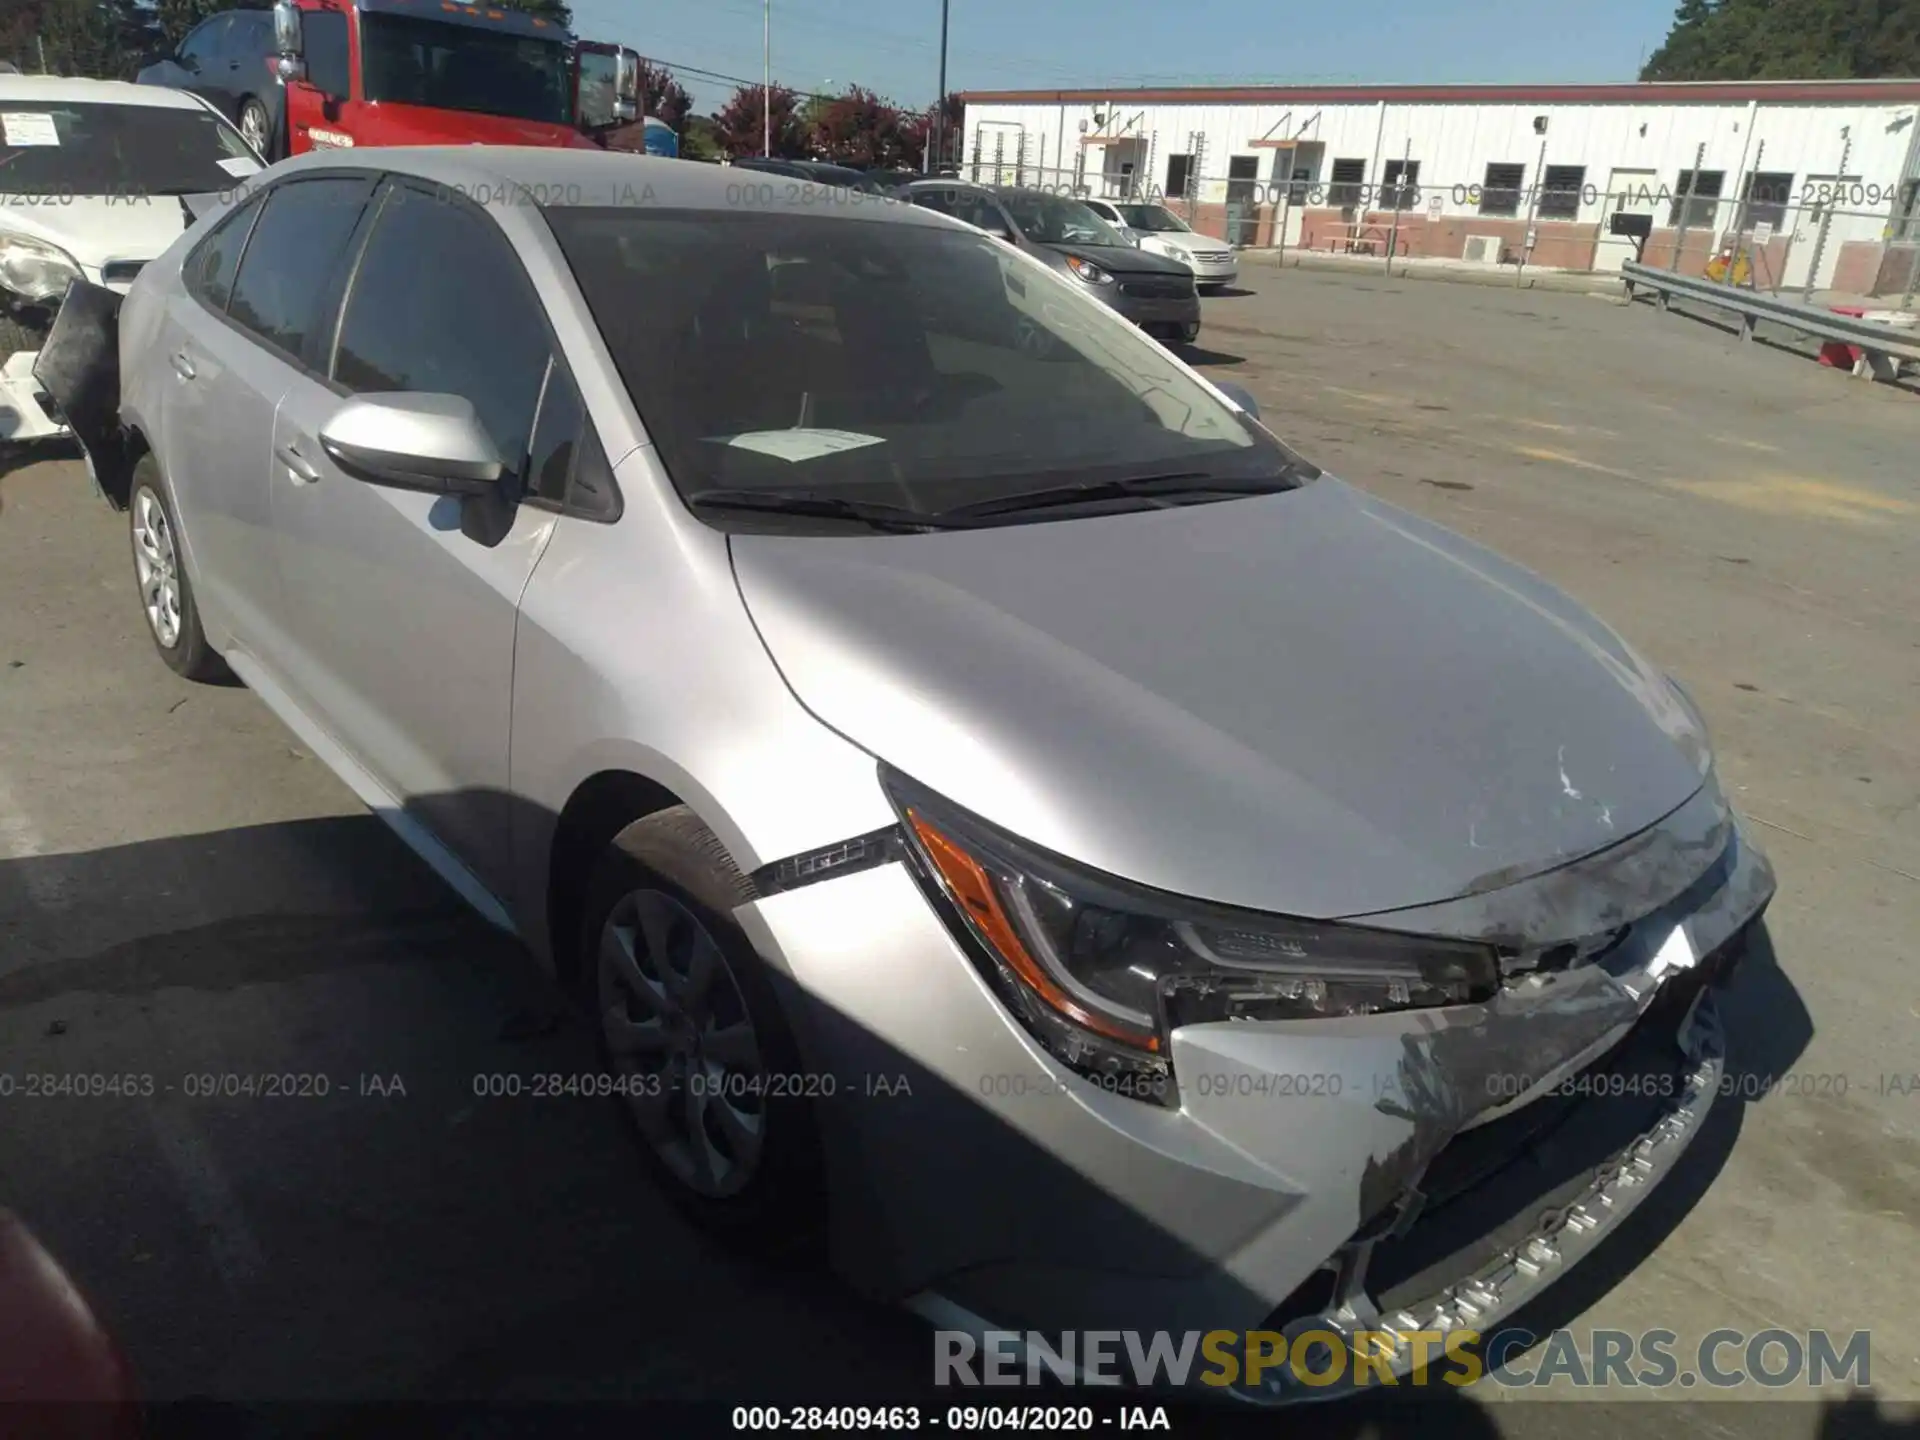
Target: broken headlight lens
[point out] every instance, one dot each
(35, 270)
(1103, 972)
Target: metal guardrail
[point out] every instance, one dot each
(1881, 347)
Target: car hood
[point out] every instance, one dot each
(397, 124)
(99, 230)
(1123, 259)
(1178, 243)
(1312, 702)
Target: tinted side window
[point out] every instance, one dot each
(323, 38)
(204, 43)
(592, 493)
(465, 323)
(987, 215)
(298, 240)
(556, 438)
(251, 37)
(208, 273)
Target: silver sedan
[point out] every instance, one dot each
(1020, 828)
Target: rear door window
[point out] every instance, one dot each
(209, 271)
(201, 47)
(288, 268)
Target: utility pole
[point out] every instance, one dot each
(1399, 202)
(1533, 209)
(766, 89)
(940, 99)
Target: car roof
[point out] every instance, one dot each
(805, 167)
(62, 90)
(583, 178)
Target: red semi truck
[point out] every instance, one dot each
(435, 72)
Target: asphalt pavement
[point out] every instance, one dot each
(187, 895)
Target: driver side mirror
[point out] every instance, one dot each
(412, 441)
(626, 87)
(289, 63)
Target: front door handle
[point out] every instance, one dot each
(290, 456)
(182, 366)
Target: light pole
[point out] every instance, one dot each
(766, 89)
(940, 99)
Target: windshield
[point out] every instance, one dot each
(461, 67)
(120, 150)
(1053, 220)
(891, 363)
(1153, 219)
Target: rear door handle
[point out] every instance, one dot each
(290, 456)
(182, 366)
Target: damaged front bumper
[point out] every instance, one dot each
(1470, 1269)
(1417, 1170)
(27, 411)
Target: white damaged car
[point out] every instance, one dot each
(97, 177)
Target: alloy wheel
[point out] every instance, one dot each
(253, 127)
(158, 566)
(682, 1043)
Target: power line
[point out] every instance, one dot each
(697, 73)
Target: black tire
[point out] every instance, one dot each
(780, 1213)
(188, 655)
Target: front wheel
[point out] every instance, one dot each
(166, 595)
(696, 1040)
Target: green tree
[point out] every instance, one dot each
(700, 140)
(98, 39)
(860, 129)
(740, 129)
(177, 17)
(1789, 40)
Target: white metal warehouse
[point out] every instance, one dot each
(1812, 182)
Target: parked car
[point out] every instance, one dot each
(1154, 227)
(1014, 822)
(1156, 293)
(228, 60)
(880, 179)
(813, 172)
(92, 179)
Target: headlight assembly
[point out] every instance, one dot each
(1088, 271)
(1102, 972)
(35, 270)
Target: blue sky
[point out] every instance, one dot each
(1025, 44)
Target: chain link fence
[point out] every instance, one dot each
(1780, 233)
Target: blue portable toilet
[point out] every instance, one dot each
(660, 139)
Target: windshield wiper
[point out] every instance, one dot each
(828, 507)
(1146, 487)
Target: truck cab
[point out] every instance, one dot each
(435, 72)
